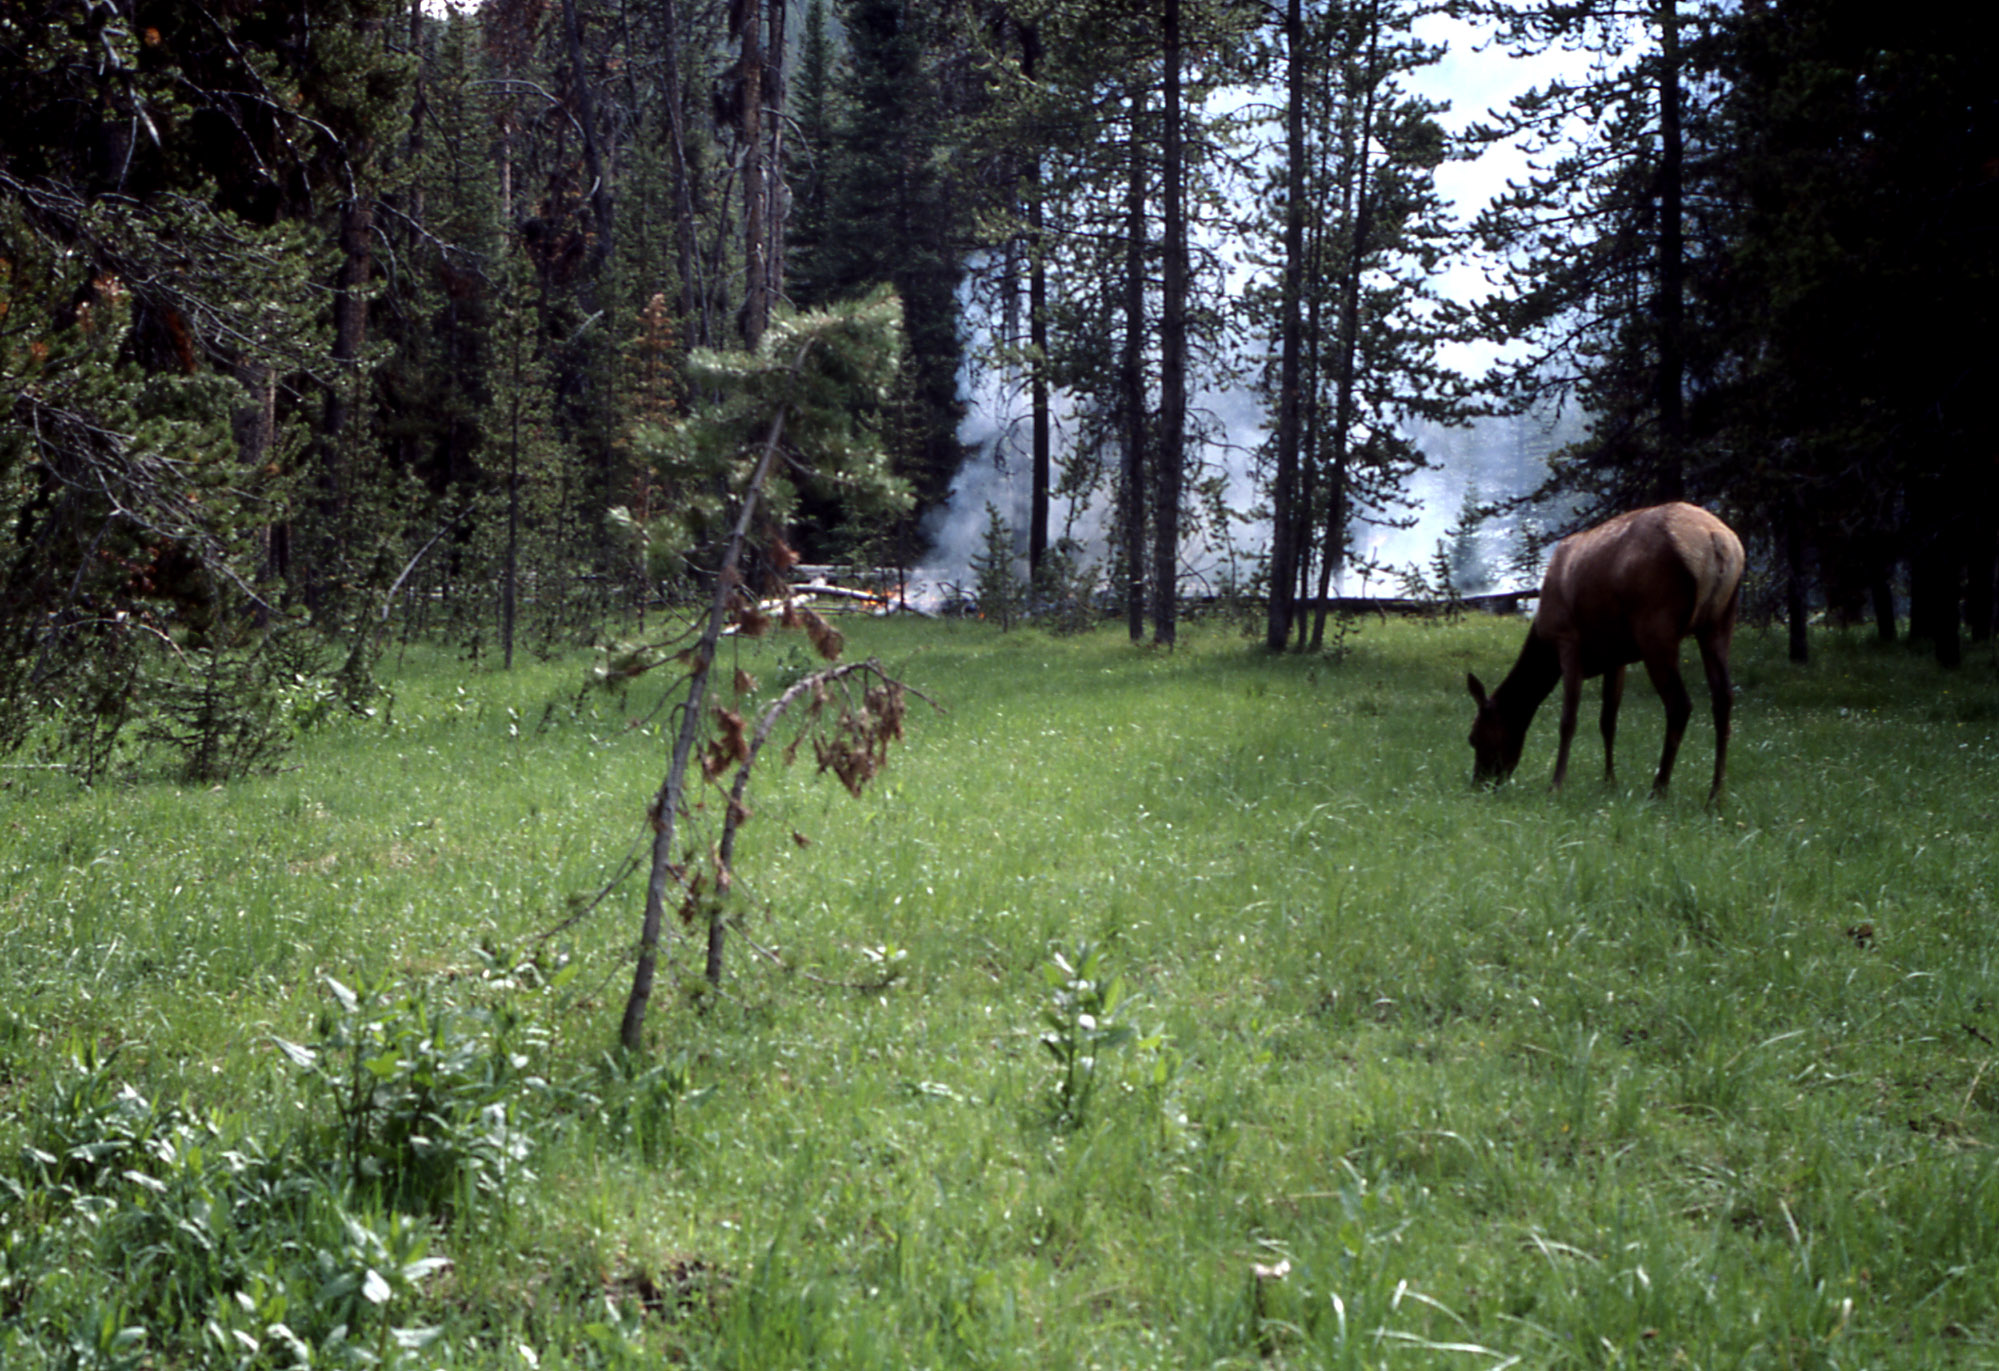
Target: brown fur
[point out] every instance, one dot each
(1625, 591)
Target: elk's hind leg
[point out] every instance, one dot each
(1664, 669)
(1613, 695)
(1721, 691)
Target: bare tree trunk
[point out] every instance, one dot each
(1311, 453)
(510, 584)
(419, 117)
(1037, 338)
(1670, 305)
(1883, 595)
(1037, 335)
(778, 213)
(601, 205)
(1794, 583)
(1334, 550)
(692, 296)
(1132, 376)
(1360, 221)
(1982, 573)
(350, 327)
(350, 336)
(1284, 522)
(1172, 353)
(756, 187)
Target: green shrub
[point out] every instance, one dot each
(422, 1094)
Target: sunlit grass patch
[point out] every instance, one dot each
(1396, 1071)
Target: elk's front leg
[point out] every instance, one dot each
(1572, 700)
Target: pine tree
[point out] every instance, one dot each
(1858, 188)
(1598, 244)
(1348, 309)
(808, 172)
(995, 581)
(809, 400)
(891, 216)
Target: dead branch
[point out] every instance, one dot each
(862, 745)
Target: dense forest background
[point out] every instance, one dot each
(322, 316)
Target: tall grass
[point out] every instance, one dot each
(1414, 1075)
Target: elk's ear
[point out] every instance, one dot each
(1477, 690)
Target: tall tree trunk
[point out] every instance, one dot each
(1672, 267)
(1172, 352)
(756, 184)
(350, 337)
(693, 298)
(1934, 591)
(1982, 571)
(350, 327)
(778, 200)
(1312, 445)
(601, 203)
(510, 576)
(419, 118)
(1132, 375)
(1040, 476)
(1794, 582)
(1882, 591)
(1346, 360)
(1284, 521)
(1936, 568)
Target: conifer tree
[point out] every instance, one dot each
(1347, 307)
(890, 214)
(1856, 300)
(1597, 244)
(814, 393)
(163, 198)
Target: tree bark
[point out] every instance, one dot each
(1883, 595)
(756, 186)
(601, 203)
(1040, 477)
(419, 118)
(693, 298)
(510, 586)
(1037, 339)
(1794, 583)
(1284, 523)
(1345, 363)
(1172, 351)
(1982, 571)
(1132, 376)
(778, 200)
(1672, 268)
(350, 336)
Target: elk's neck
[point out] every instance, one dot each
(1533, 676)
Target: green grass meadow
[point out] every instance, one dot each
(1350, 1066)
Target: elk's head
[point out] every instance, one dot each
(1495, 743)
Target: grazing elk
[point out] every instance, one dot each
(1625, 591)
